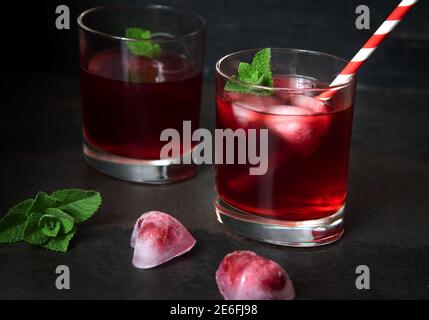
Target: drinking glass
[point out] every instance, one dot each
(300, 200)
(130, 94)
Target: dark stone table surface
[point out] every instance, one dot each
(387, 226)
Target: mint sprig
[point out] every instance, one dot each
(49, 220)
(12, 226)
(256, 73)
(145, 48)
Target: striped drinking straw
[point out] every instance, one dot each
(365, 52)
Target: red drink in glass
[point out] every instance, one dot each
(308, 157)
(141, 72)
(300, 199)
(126, 104)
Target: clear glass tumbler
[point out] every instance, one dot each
(141, 73)
(300, 199)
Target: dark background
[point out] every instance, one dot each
(387, 218)
(32, 43)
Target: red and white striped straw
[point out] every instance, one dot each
(369, 47)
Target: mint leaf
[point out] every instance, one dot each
(33, 233)
(236, 86)
(42, 201)
(66, 222)
(137, 33)
(60, 243)
(50, 225)
(49, 220)
(257, 73)
(245, 70)
(12, 225)
(261, 63)
(78, 204)
(144, 48)
(248, 74)
(45, 220)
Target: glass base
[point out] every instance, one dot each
(136, 170)
(309, 233)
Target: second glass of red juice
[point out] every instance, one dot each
(140, 74)
(300, 199)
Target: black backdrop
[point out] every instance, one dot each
(32, 43)
(388, 224)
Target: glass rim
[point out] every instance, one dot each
(288, 89)
(151, 6)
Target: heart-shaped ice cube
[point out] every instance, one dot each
(243, 275)
(157, 238)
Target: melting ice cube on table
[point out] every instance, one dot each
(157, 238)
(243, 275)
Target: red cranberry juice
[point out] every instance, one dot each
(308, 152)
(128, 101)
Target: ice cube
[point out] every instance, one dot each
(302, 125)
(251, 101)
(121, 65)
(107, 64)
(313, 105)
(169, 66)
(243, 275)
(247, 108)
(157, 238)
(292, 82)
(245, 117)
(142, 70)
(234, 116)
(173, 67)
